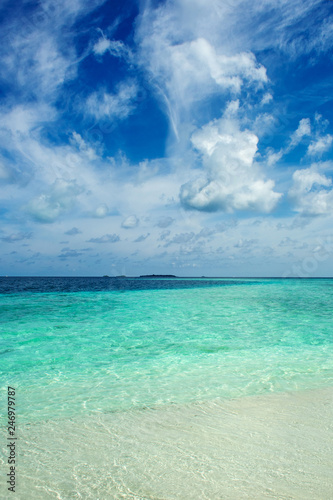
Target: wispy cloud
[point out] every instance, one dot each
(184, 66)
(117, 105)
(303, 129)
(320, 145)
(115, 48)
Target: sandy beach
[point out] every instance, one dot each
(278, 446)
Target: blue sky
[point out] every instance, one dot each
(188, 137)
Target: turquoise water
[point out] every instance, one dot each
(111, 348)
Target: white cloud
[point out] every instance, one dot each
(61, 198)
(263, 124)
(320, 145)
(130, 222)
(232, 181)
(88, 151)
(39, 60)
(273, 157)
(38, 163)
(101, 46)
(283, 26)
(311, 192)
(115, 47)
(23, 119)
(303, 129)
(196, 55)
(51, 67)
(197, 59)
(317, 146)
(186, 62)
(266, 99)
(101, 211)
(118, 105)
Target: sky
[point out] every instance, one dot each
(186, 137)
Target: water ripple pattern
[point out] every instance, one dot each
(84, 345)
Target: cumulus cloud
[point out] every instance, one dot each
(232, 181)
(101, 211)
(193, 68)
(311, 192)
(130, 222)
(62, 196)
(107, 238)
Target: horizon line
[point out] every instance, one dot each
(161, 276)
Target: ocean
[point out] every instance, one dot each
(148, 388)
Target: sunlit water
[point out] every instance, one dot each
(87, 350)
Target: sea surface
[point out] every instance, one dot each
(92, 349)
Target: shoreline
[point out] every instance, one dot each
(277, 446)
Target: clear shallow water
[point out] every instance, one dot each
(74, 346)
(274, 446)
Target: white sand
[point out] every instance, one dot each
(264, 447)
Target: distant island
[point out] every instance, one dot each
(158, 276)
